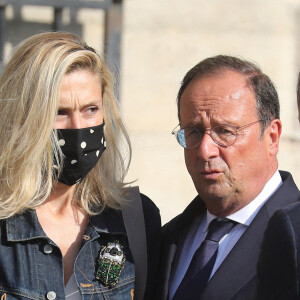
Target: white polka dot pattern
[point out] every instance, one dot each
(82, 148)
(61, 142)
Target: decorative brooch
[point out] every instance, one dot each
(110, 264)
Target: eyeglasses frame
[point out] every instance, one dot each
(209, 131)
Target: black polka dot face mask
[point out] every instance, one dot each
(82, 149)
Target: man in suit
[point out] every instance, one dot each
(278, 268)
(229, 126)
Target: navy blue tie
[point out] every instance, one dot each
(200, 268)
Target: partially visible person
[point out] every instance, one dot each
(229, 128)
(278, 268)
(70, 227)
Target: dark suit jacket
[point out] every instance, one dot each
(236, 277)
(278, 270)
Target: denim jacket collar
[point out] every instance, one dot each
(109, 221)
(24, 227)
(27, 227)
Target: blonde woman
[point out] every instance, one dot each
(67, 218)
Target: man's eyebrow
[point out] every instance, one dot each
(191, 124)
(214, 122)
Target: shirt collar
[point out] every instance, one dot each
(247, 214)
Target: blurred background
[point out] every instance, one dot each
(150, 46)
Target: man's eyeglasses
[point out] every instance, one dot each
(223, 135)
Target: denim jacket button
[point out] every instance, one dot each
(48, 249)
(51, 295)
(86, 237)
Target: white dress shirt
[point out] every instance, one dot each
(199, 228)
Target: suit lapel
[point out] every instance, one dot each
(239, 267)
(168, 260)
(174, 234)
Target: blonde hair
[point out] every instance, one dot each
(29, 97)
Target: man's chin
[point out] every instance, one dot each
(214, 193)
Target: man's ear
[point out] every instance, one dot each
(274, 132)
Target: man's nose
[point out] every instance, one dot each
(208, 149)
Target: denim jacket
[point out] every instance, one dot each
(31, 265)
